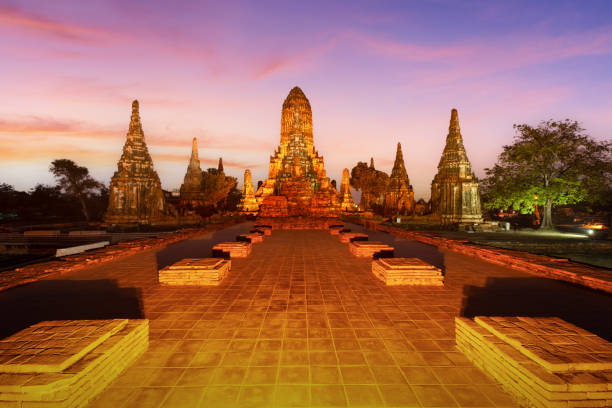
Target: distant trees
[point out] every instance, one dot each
(75, 181)
(552, 164)
(371, 182)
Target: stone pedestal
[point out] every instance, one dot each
(407, 271)
(195, 271)
(233, 249)
(368, 249)
(335, 229)
(544, 362)
(67, 363)
(252, 237)
(346, 237)
(266, 229)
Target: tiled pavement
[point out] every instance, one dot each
(302, 322)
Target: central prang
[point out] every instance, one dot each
(297, 184)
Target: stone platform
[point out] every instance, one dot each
(407, 271)
(66, 363)
(298, 223)
(195, 271)
(543, 362)
(252, 237)
(367, 249)
(346, 237)
(236, 249)
(335, 229)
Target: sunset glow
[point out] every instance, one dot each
(375, 75)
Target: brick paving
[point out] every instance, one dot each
(302, 322)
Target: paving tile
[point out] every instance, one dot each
(300, 322)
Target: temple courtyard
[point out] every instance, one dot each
(301, 322)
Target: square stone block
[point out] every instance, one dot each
(367, 249)
(253, 238)
(541, 361)
(407, 271)
(195, 271)
(235, 249)
(346, 237)
(267, 229)
(335, 229)
(67, 363)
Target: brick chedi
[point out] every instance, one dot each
(136, 195)
(455, 194)
(248, 203)
(399, 197)
(346, 198)
(297, 184)
(191, 189)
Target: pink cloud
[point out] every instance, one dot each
(16, 17)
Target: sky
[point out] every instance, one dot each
(375, 72)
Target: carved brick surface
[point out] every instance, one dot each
(234, 249)
(67, 363)
(543, 362)
(195, 271)
(407, 271)
(248, 203)
(367, 249)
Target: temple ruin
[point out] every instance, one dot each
(297, 184)
(455, 194)
(136, 195)
(399, 197)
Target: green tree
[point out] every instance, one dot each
(75, 181)
(552, 164)
(370, 181)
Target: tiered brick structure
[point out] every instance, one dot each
(67, 363)
(297, 184)
(235, 249)
(455, 194)
(136, 195)
(544, 362)
(399, 197)
(407, 271)
(248, 203)
(368, 249)
(195, 271)
(346, 198)
(191, 189)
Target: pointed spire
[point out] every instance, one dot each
(135, 125)
(399, 169)
(453, 128)
(398, 154)
(194, 149)
(371, 162)
(220, 167)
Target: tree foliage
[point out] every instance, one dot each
(371, 182)
(75, 181)
(216, 187)
(552, 164)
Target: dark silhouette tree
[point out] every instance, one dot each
(75, 181)
(552, 164)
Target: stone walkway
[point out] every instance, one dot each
(302, 322)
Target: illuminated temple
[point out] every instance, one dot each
(136, 195)
(455, 194)
(297, 184)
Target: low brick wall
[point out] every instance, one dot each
(32, 273)
(541, 265)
